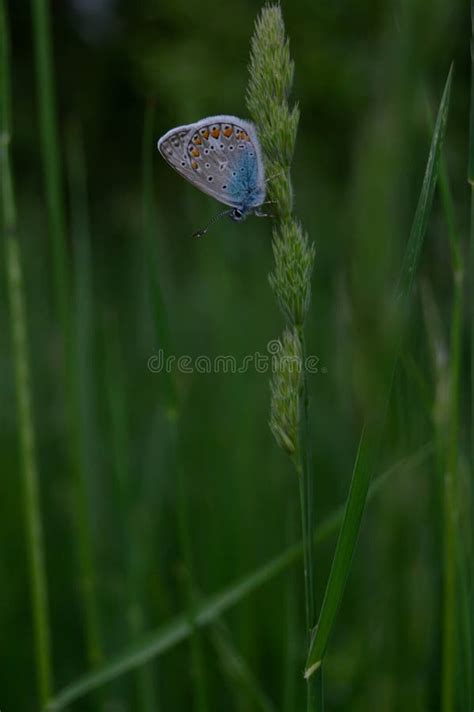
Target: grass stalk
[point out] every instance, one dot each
(271, 78)
(291, 620)
(61, 274)
(50, 152)
(197, 660)
(470, 176)
(19, 335)
(453, 560)
(314, 685)
(447, 425)
(441, 416)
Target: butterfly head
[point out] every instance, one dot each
(237, 215)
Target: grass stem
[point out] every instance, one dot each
(49, 135)
(470, 176)
(19, 334)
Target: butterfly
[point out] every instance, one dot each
(221, 156)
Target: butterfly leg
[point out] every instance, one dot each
(264, 215)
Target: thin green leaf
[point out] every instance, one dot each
(28, 465)
(470, 177)
(62, 279)
(371, 435)
(179, 629)
(150, 229)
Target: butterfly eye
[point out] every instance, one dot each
(236, 215)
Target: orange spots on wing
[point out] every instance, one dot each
(227, 131)
(197, 140)
(194, 165)
(245, 136)
(215, 132)
(205, 133)
(195, 152)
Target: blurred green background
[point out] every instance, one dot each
(366, 73)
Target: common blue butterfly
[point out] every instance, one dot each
(221, 156)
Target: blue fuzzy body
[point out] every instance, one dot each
(246, 188)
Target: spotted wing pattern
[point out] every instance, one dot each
(220, 157)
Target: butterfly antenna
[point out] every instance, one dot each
(203, 230)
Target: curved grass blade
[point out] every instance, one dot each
(372, 432)
(180, 628)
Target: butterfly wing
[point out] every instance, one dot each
(220, 155)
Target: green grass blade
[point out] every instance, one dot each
(19, 334)
(50, 150)
(470, 177)
(454, 569)
(121, 470)
(370, 439)
(180, 628)
(423, 209)
(162, 335)
(447, 423)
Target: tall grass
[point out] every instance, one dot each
(456, 628)
(175, 631)
(50, 150)
(23, 390)
(470, 176)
